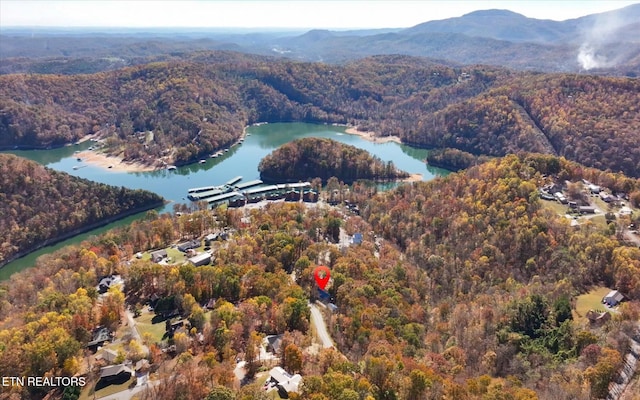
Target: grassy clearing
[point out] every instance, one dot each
(176, 256)
(554, 206)
(591, 301)
(144, 325)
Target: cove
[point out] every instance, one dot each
(242, 159)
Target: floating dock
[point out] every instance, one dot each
(247, 185)
(233, 181)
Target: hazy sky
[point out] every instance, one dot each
(293, 14)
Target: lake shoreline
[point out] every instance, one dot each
(112, 163)
(370, 136)
(80, 230)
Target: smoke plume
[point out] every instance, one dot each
(598, 35)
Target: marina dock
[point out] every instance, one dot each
(235, 194)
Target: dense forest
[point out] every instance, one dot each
(453, 159)
(38, 204)
(198, 106)
(466, 291)
(308, 158)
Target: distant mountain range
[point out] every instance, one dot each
(605, 43)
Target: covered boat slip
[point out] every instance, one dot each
(232, 192)
(206, 193)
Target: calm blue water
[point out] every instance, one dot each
(241, 160)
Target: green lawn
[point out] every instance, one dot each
(591, 301)
(600, 221)
(143, 323)
(176, 256)
(555, 206)
(88, 392)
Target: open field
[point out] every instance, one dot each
(560, 209)
(591, 301)
(144, 325)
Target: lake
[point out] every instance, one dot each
(240, 160)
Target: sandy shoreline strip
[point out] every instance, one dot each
(117, 164)
(371, 136)
(413, 178)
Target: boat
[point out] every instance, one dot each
(171, 168)
(203, 161)
(79, 159)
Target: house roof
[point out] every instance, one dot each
(275, 341)
(200, 258)
(614, 295)
(288, 382)
(109, 354)
(113, 370)
(357, 238)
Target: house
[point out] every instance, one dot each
(356, 238)
(211, 304)
(109, 355)
(158, 255)
(324, 296)
(546, 196)
(212, 237)
(273, 343)
(598, 318)
(100, 335)
(560, 197)
(108, 281)
(192, 244)
(594, 189)
(115, 374)
(586, 210)
(613, 298)
(606, 197)
(284, 380)
(142, 366)
(200, 259)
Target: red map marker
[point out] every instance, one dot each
(321, 274)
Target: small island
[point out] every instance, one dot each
(308, 158)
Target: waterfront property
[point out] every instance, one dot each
(173, 182)
(237, 195)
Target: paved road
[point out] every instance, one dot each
(321, 327)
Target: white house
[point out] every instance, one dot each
(279, 377)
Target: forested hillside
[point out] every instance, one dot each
(467, 291)
(197, 107)
(308, 158)
(38, 204)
